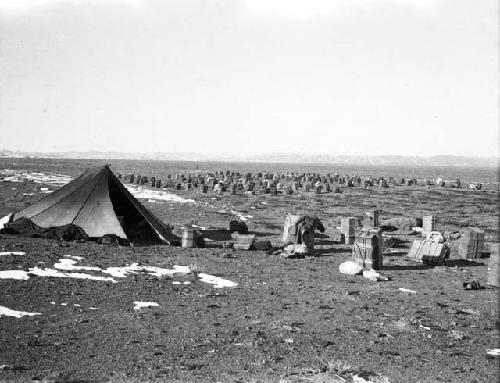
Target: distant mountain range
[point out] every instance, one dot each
(386, 160)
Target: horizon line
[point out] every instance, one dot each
(243, 155)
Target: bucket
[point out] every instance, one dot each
(308, 240)
(188, 239)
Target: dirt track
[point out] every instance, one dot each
(289, 320)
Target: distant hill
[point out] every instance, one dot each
(386, 160)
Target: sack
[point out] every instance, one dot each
(238, 225)
(290, 228)
(350, 268)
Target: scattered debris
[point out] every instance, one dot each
(374, 276)
(457, 335)
(405, 324)
(467, 311)
(295, 251)
(472, 285)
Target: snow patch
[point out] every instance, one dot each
(216, 281)
(12, 253)
(69, 264)
(121, 272)
(14, 274)
(39, 178)
(159, 272)
(58, 274)
(5, 311)
(140, 305)
(5, 220)
(76, 257)
(156, 195)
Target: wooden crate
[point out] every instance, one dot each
(348, 230)
(371, 219)
(471, 243)
(366, 250)
(244, 241)
(428, 252)
(494, 270)
(428, 224)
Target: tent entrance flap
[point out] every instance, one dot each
(133, 223)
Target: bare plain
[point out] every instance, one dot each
(288, 320)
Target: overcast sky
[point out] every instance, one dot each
(415, 77)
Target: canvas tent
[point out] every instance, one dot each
(97, 202)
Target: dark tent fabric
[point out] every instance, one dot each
(25, 226)
(98, 203)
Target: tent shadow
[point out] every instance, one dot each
(462, 263)
(396, 254)
(320, 235)
(260, 234)
(217, 234)
(326, 243)
(406, 267)
(327, 252)
(224, 234)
